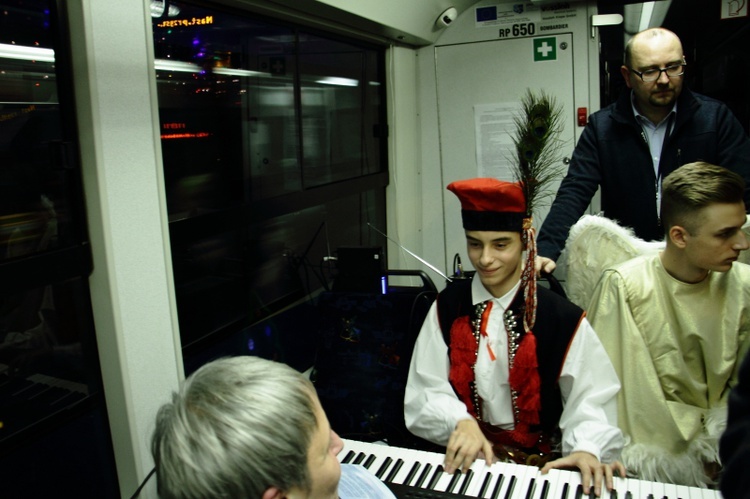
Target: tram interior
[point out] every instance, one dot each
(275, 150)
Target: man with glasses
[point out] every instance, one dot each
(628, 147)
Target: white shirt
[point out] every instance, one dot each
(654, 134)
(588, 384)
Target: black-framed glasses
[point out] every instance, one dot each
(654, 74)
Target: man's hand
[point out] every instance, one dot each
(467, 442)
(544, 264)
(591, 469)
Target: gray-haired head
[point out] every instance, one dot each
(236, 427)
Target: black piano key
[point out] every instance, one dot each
(545, 490)
(396, 468)
(423, 476)
(435, 478)
(454, 481)
(613, 494)
(592, 493)
(530, 490)
(579, 491)
(412, 473)
(498, 487)
(511, 486)
(628, 495)
(485, 484)
(348, 457)
(369, 461)
(650, 496)
(360, 457)
(564, 494)
(467, 480)
(383, 467)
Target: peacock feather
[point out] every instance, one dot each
(537, 163)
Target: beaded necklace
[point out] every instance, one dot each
(481, 312)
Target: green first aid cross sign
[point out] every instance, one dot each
(545, 49)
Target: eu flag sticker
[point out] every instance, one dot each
(545, 49)
(486, 14)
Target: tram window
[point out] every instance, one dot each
(269, 134)
(54, 435)
(35, 211)
(252, 110)
(337, 110)
(45, 354)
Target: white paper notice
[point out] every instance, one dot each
(495, 126)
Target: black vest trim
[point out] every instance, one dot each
(557, 320)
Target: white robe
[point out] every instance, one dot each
(676, 348)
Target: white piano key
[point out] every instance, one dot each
(439, 479)
(399, 466)
(670, 491)
(620, 486)
(683, 491)
(409, 470)
(555, 480)
(524, 477)
(484, 479)
(539, 480)
(647, 489)
(513, 485)
(543, 487)
(566, 483)
(657, 490)
(712, 494)
(694, 494)
(708, 494)
(374, 462)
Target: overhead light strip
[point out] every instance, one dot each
(39, 54)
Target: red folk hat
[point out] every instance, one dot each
(489, 204)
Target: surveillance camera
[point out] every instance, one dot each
(446, 18)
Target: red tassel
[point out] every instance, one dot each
(524, 378)
(462, 336)
(462, 356)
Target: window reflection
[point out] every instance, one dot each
(42, 336)
(228, 108)
(273, 158)
(337, 125)
(34, 212)
(50, 384)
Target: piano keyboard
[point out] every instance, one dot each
(418, 474)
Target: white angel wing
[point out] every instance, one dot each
(594, 244)
(745, 255)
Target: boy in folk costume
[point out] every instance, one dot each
(503, 368)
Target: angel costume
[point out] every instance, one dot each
(676, 348)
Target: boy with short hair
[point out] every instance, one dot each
(675, 325)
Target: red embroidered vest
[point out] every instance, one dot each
(556, 322)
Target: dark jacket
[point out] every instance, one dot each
(734, 446)
(613, 153)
